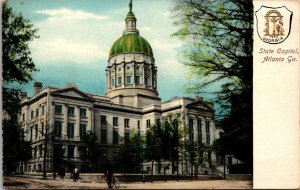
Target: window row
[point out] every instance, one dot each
(128, 80)
(199, 128)
(71, 110)
(115, 121)
(36, 131)
(70, 130)
(35, 113)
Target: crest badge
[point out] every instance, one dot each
(273, 24)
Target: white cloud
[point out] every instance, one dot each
(165, 45)
(59, 49)
(64, 15)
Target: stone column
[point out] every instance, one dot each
(151, 76)
(143, 75)
(65, 122)
(76, 152)
(77, 123)
(123, 74)
(115, 80)
(134, 74)
(89, 120)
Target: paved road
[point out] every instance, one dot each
(26, 183)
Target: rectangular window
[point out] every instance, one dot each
(42, 129)
(137, 80)
(115, 137)
(128, 79)
(82, 112)
(158, 122)
(126, 136)
(32, 114)
(146, 81)
(41, 150)
(103, 154)
(112, 82)
(126, 121)
(103, 136)
(199, 131)
(139, 124)
(115, 121)
(82, 130)
(71, 111)
(70, 130)
(31, 130)
(207, 127)
(191, 123)
(35, 152)
(23, 117)
(36, 131)
(103, 120)
(57, 128)
(199, 126)
(71, 151)
(37, 112)
(43, 110)
(58, 109)
(148, 123)
(208, 139)
(115, 155)
(119, 80)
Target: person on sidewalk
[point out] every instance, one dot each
(109, 177)
(75, 174)
(62, 173)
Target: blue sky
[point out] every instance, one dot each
(76, 35)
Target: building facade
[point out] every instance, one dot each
(131, 103)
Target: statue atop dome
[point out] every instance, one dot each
(130, 5)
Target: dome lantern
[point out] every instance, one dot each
(130, 21)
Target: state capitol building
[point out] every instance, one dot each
(131, 103)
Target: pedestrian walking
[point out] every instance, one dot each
(75, 174)
(109, 177)
(62, 173)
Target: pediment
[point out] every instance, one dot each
(72, 93)
(200, 105)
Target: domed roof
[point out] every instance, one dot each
(130, 14)
(130, 43)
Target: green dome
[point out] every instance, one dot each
(130, 14)
(130, 43)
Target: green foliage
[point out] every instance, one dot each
(17, 32)
(58, 155)
(218, 50)
(15, 148)
(90, 151)
(131, 152)
(18, 66)
(153, 144)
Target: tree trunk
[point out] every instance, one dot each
(152, 170)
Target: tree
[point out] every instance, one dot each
(18, 66)
(90, 152)
(219, 52)
(131, 152)
(15, 148)
(17, 32)
(154, 143)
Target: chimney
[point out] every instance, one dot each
(38, 87)
(23, 95)
(71, 85)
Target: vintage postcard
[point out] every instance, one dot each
(137, 94)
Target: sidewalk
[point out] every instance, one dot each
(26, 183)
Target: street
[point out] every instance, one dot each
(28, 183)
